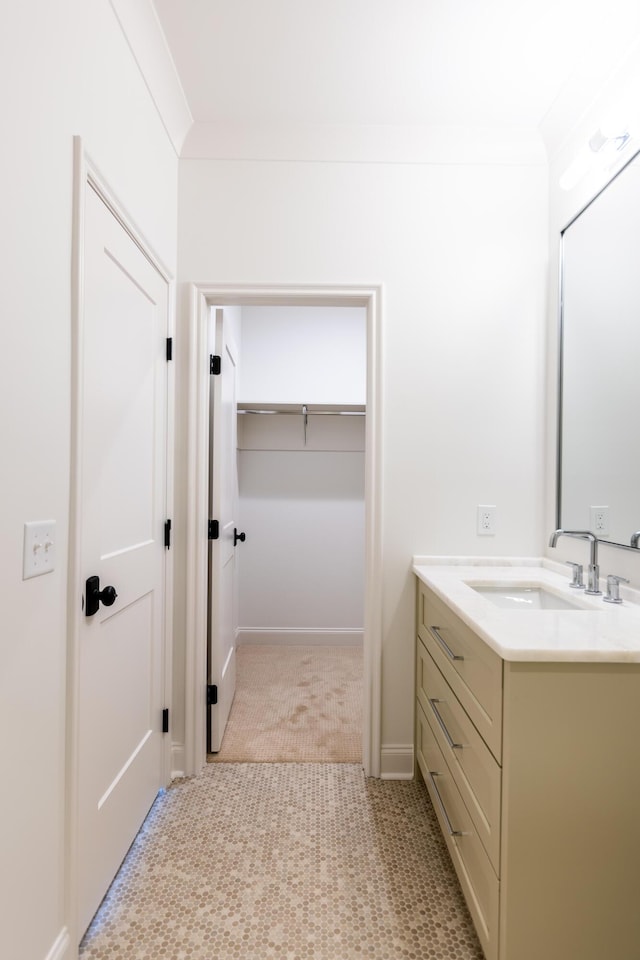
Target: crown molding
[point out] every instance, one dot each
(140, 25)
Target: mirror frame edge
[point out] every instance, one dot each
(560, 347)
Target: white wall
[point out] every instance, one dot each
(461, 250)
(65, 69)
(303, 355)
(301, 569)
(621, 89)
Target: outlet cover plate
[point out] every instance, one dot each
(599, 517)
(486, 519)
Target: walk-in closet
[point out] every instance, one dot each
(301, 412)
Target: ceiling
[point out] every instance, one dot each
(467, 62)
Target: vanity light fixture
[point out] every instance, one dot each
(602, 149)
(612, 144)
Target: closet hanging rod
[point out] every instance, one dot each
(308, 413)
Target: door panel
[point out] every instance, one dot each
(121, 394)
(223, 505)
(122, 449)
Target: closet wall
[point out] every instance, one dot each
(301, 484)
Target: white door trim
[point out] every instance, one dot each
(87, 176)
(201, 297)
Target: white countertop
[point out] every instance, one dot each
(601, 632)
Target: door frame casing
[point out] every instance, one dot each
(86, 176)
(202, 297)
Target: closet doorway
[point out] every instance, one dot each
(293, 644)
(265, 439)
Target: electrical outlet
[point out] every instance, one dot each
(599, 521)
(486, 520)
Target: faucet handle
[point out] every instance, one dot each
(577, 582)
(613, 588)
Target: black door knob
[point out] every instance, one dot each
(95, 596)
(108, 596)
(238, 536)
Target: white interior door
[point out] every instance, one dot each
(122, 451)
(223, 502)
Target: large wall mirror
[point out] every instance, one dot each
(599, 439)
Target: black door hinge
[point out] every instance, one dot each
(212, 694)
(165, 720)
(167, 534)
(215, 365)
(214, 529)
(169, 348)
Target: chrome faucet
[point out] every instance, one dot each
(613, 588)
(593, 572)
(635, 537)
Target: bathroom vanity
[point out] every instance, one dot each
(528, 740)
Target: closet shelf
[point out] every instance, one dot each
(300, 416)
(304, 409)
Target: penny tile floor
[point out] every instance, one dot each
(286, 861)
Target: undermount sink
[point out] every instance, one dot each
(523, 597)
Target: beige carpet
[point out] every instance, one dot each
(295, 704)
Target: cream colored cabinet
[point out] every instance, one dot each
(533, 769)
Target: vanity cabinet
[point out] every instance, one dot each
(533, 768)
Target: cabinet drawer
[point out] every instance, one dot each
(479, 883)
(474, 768)
(471, 668)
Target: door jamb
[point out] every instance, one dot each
(201, 298)
(86, 175)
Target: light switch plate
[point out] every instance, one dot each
(39, 555)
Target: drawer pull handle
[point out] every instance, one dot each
(443, 726)
(435, 632)
(452, 832)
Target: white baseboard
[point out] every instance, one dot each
(346, 637)
(59, 949)
(396, 761)
(177, 761)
